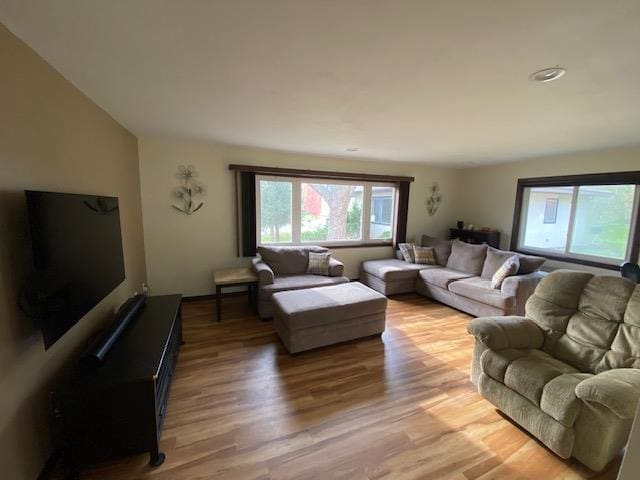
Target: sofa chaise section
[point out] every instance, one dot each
(391, 276)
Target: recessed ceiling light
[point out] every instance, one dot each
(547, 74)
(352, 149)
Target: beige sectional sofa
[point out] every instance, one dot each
(281, 269)
(568, 371)
(462, 278)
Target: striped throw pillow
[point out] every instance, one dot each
(407, 252)
(319, 263)
(424, 255)
(509, 268)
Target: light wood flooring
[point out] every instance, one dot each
(400, 407)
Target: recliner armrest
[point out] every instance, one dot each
(522, 287)
(617, 389)
(499, 333)
(336, 268)
(264, 272)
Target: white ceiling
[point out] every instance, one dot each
(427, 81)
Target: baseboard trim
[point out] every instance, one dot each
(197, 298)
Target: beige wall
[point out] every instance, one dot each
(182, 250)
(52, 137)
(490, 191)
(631, 461)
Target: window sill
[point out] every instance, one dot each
(359, 245)
(577, 261)
(330, 245)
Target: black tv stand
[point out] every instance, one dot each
(120, 408)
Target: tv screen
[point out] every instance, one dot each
(77, 255)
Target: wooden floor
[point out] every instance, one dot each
(400, 407)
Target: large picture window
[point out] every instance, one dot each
(588, 219)
(301, 210)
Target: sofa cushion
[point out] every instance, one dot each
(442, 248)
(559, 398)
(467, 258)
(495, 259)
(555, 300)
(632, 313)
(625, 348)
(392, 269)
(546, 380)
(288, 260)
(297, 282)
(591, 330)
(441, 277)
(495, 362)
(529, 374)
(479, 289)
(529, 263)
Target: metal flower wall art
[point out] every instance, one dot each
(434, 199)
(187, 195)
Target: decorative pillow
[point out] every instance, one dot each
(424, 255)
(467, 258)
(495, 259)
(319, 263)
(442, 248)
(508, 269)
(407, 252)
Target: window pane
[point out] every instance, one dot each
(275, 211)
(382, 209)
(542, 230)
(331, 212)
(603, 220)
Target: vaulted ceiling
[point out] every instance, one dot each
(427, 81)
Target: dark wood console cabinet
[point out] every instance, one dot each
(491, 238)
(120, 408)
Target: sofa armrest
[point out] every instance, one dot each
(336, 268)
(522, 287)
(264, 272)
(617, 389)
(499, 333)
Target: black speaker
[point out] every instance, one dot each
(93, 357)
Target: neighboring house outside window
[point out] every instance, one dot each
(551, 210)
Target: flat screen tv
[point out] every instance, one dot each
(77, 256)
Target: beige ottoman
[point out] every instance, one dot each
(315, 317)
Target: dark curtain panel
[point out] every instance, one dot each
(403, 210)
(248, 213)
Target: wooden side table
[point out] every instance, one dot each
(234, 277)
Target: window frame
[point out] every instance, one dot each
(296, 211)
(613, 178)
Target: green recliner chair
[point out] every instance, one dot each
(569, 370)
